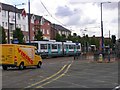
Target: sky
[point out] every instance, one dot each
(81, 17)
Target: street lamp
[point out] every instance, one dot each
(102, 38)
(15, 12)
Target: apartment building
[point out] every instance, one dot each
(7, 19)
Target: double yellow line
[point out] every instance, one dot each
(51, 78)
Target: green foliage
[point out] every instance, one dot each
(113, 39)
(63, 37)
(113, 42)
(85, 41)
(39, 35)
(74, 34)
(58, 37)
(19, 35)
(2, 35)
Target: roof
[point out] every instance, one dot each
(37, 17)
(59, 27)
(11, 8)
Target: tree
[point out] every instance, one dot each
(19, 35)
(63, 37)
(113, 42)
(69, 37)
(2, 35)
(58, 37)
(74, 34)
(113, 39)
(39, 35)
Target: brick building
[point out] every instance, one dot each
(40, 23)
(55, 28)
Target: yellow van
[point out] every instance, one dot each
(14, 55)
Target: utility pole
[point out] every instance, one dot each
(102, 38)
(15, 17)
(8, 30)
(29, 19)
(109, 34)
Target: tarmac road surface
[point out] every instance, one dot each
(63, 72)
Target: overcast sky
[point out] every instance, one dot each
(77, 15)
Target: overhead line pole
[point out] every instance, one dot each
(29, 20)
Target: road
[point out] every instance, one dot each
(63, 72)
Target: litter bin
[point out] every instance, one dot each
(100, 57)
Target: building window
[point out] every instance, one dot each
(42, 21)
(3, 24)
(24, 28)
(19, 25)
(48, 24)
(33, 37)
(59, 32)
(65, 33)
(43, 31)
(18, 15)
(16, 25)
(4, 13)
(6, 24)
(47, 31)
(32, 28)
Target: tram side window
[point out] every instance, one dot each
(66, 46)
(33, 44)
(43, 46)
(78, 47)
(71, 46)
(54, 46)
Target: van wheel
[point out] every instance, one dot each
(4, 67)
(21, 66)
(39, 65)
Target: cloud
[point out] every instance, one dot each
(74, 20)
(89, 1)
(112, 5)
(63, 11)
(108, 6)
(115, 20)
(88, 21)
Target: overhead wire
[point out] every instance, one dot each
(51, 14)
